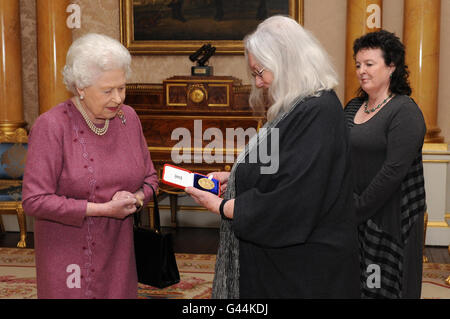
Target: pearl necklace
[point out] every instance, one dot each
(95, 129)
(366, 105)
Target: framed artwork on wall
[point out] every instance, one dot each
(182, 26)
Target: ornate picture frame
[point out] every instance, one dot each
(131, 22)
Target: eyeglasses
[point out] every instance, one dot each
(258, 73)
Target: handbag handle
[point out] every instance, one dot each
(155, 212)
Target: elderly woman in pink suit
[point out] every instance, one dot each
(88, 170)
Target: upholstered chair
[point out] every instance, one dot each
(13, 150)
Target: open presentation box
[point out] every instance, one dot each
(182, 178)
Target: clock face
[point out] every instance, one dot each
(197, 95)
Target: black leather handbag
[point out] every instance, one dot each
(155, 258)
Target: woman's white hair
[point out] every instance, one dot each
(89, 56)
(300, 66)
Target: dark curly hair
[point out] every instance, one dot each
(393, 52)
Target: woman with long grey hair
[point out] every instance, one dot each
(289, 232)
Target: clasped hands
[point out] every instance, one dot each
(121, 205)
(124, 203)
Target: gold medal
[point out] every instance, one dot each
(206, 183)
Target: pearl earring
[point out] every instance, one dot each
(81, 97)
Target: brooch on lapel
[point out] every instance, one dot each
(121, 116)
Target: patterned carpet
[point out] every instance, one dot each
(196, 278)
(18, 278)
(433, 281)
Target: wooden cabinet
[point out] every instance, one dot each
(194, 105)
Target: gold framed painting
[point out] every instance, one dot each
(182, 26)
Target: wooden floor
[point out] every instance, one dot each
(437, 254)
(186, 240)
(206, 240)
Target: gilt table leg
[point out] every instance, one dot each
(23, 227)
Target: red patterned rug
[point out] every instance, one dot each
(196, 278)
(433, 281)
(18, 277)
